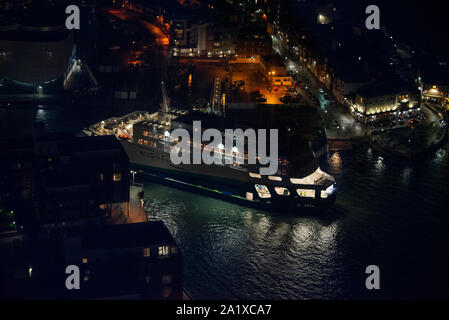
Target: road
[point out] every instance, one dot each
(347, 126)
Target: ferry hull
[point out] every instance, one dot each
(219, 187)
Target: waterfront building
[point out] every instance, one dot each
(385, 99)
(137, 261)
(79, 178)
(434, 84)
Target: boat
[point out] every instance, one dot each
(147, 141)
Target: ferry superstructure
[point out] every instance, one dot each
(146, 139)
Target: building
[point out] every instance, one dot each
(274, 69)
(252, 42)
(35, 53)
(137, 261)
(79, 178)
(70, 195)
(385, 99)
(434, 83)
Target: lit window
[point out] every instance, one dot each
(163, 251)
(167, 279)
(166, 292)
(262, 191)
(146, 252)
(84, 260)
(117, 176)
(297, 180)
(308, 193)
(101, 177)
(282, 191)
(255, 175)
(274, 178)
(86, 278)
(174, 250)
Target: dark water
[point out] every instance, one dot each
(392, 215)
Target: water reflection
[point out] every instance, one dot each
(245, 253)
(335, 163)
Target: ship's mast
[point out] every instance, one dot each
(164, 106)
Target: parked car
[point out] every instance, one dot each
(285, 99)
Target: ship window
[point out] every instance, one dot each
(117, 177)
(262, 191)
(308, 193)
(282, 191)
(255, 175)
(296, 180)
(146, 252)
(274, 178)
(328, 191)
(249, 195)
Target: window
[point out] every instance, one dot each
(163, 251)
(146, 252)
(101, 176)
(147, 279)
(174, 250)
(297, 180)
(282, 191)
(117, 177)
(255, 175)
(166, 292)
(262, 191)
(308, 193)
(84, 260)
(167, 279)
(274, 178)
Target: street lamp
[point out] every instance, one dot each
(133, 173)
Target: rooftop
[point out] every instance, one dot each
(131, 235)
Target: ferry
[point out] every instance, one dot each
(146, 139)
